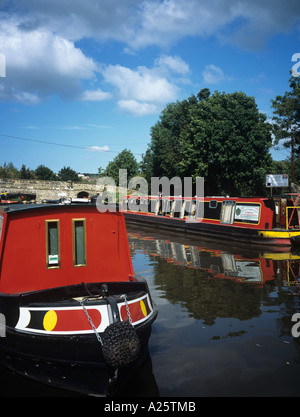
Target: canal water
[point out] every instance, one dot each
(224, 325)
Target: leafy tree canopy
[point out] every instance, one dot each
(68, 174)
(124, 160)
(287, 122)
(44, 173)
(221, 137)
(26, 173)
(8, 170)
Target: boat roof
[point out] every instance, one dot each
(19, 207)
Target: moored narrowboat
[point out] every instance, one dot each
(14, 198)
(255, 220)
(68, 293)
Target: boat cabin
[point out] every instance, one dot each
(259, 220)
(260, 213)
(50, 245)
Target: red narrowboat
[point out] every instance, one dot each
(68, 293)
(14, 198)
(254, 221)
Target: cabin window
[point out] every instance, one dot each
(176, 208)
(158, 207)
(213, 204)
(79, 242)
(188, 208)
(227, 213)
(52, 244)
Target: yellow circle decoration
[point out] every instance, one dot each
(50, 320)
(143, 308)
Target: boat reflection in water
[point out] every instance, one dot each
(221, 261)
(28, 377)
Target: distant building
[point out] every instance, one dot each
(84, 177)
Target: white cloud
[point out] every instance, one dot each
(95, 95)
(96, 148)
(137, 108)
(141, 84)
(40, 63)
(138, 24)
(163, 23)
(21, 96)
(213, 74)
(31, 127)
(247, 24)
(143, 90)
(39, 41)
(77, 19)
(97, 126)
(173, 63)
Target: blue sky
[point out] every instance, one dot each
(85, 79)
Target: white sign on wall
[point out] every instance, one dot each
(281, 180)
(247, 213)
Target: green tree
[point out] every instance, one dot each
(221, 137)
(68, 174)
(281, 167)
(124, 160)
(297, 171)
(285, 167)
(44, 173)
(146, 165)
(228, 144)
(287, 120)
(26, 173)
(165, 151)
(8, 170)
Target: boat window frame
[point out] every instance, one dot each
(213, 206)
(75, 264)
(157, 206)
(175, 210)
(225, 204)
(48, 264)
(193, 210)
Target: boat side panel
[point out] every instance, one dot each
(24, 265)
(261, 219)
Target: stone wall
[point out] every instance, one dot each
(57, 189)
(52, 190)
(47, 189)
